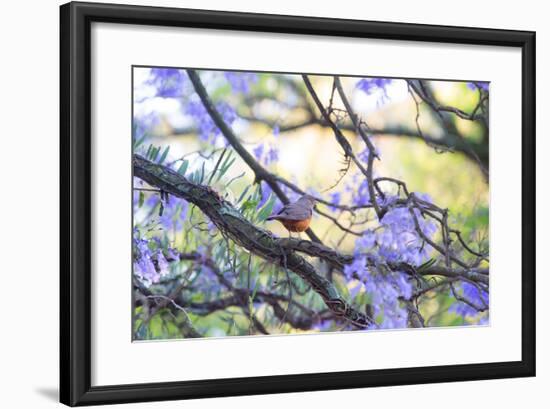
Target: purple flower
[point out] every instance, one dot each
(383, 290)
(322, 326)
(361, 196)
(365, 242)
(208, 131)
(356, 289)
(174, 213)
(240, 81)
(478, 84)
(152, 200)
(474, 296)
(387, 200)
(205, 124)
(258, 151)
(228, 114)
(172, 254)
(276, 131)
(272, 155)
(358, 267)
(268, 157)
(135, 200)
(168, 81)
(162, 263)
(364, 155)
(143, 125)
(266, 193)
(462, 309)
(335, 198)
(404, 285)
(398, 239)
(370, 85)
(424, 196)
(144, 268)
(484, 320)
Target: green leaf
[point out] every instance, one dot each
(141, 199)
(221, 91)
(267, 209)
(426, 265)
(155, 326)
(257, 193)
(220, 252)
(251, 307)
(138, 142)
(164, 154)
(256, 288)
(201, 178)
(249, 204)
(161, 209)
(234, 179)
(217, 165)
(225, 168)
(241, 197)
(154, 154)
(183, 167)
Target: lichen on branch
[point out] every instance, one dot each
(258, 241)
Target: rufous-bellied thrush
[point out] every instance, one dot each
(296, 216)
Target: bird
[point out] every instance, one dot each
(296, 216)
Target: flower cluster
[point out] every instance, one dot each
(371, 85)
(398, 239)
(478, 85)
(383, 287)
(167, 81)
(266, 194)
(174, 211)
(207, 278)
(361, 196)
(358, 188)
(150, 264)
(335, 199)
(208, 131)
(144, 125)
(475, 296)
(266, 156)
(240, 81)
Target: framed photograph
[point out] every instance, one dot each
(259, 203)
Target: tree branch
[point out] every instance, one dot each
(186, 326)
(254, 239)
(260, 172)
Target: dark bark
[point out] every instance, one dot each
(256, 240)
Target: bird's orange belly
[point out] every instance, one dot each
(296, 226)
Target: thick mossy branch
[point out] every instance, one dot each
(254, 239)
(335, 259)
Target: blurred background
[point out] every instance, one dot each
(444, 157)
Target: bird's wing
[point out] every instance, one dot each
(295, 211)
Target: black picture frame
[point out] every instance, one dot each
(76, 198)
